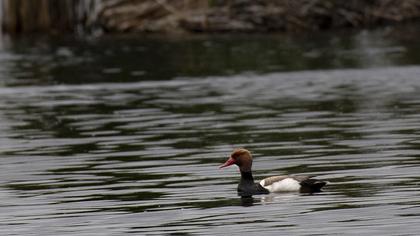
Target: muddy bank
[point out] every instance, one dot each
(202, 15)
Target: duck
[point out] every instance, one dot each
(275, 184)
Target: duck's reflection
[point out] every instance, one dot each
(284, 197)
(249, 200)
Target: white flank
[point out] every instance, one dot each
(285, 185)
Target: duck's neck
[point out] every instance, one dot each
(246, 184)
(247, 187)
(246, 177)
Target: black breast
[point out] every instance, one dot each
(247, 187)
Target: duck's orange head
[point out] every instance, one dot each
(240, 157)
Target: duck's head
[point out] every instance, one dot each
(240, 157)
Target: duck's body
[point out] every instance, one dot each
(290, 183)
(284, 183)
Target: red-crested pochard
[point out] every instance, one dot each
(283, 183)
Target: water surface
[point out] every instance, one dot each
(124, 135)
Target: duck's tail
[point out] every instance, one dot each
(312, 185)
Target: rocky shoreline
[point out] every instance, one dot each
(203, 15)
(255, 16)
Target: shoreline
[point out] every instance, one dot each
(201, 16)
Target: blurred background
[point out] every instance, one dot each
(115, 115)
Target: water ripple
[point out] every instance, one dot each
(142, 158)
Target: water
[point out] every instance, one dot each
(124, 135)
